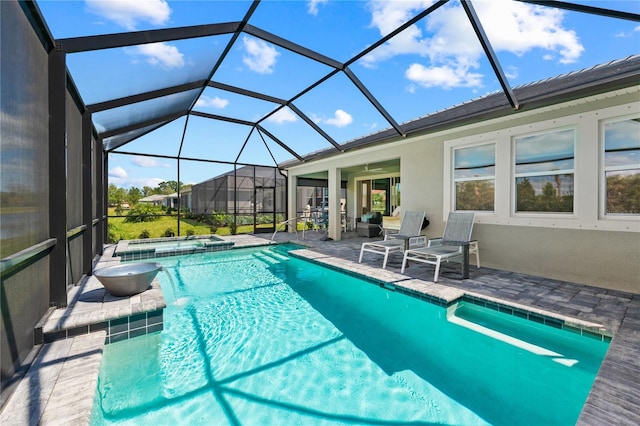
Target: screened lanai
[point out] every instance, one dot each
(323, 95)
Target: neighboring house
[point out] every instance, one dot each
(170, 200)
(259, 190)
(156, 199)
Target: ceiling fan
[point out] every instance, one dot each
(368, 169)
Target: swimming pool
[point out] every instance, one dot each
(254, 337)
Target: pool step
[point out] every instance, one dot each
(271, 257)
(277, 255)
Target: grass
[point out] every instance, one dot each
(121, 230)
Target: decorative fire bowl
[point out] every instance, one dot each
(127, 279)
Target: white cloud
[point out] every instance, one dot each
(129, 14)
(313, 6)
(370, 127)
(519, 28)
(162, 54)
(623, 34)
(449, 44)
(126, 182)
(215, 102)
(340, 119)
(151, 182)
(443, 76)
(511, 72)
(118, 172)
(284, 115)
(260, 56)
(149, 162)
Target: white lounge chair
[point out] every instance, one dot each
(408, 236)
(451, 247)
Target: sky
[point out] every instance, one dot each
(435, 64)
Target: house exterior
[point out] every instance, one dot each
(155, 199)
(566, 145)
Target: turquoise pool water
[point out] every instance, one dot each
(253, 337)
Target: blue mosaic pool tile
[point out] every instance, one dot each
(154, 328)
(552, 322)
(99, 327)
(536, 318)
(113, 338)
(55, 335)
(77, 331)
(118, 325)
(137, 321)
(505, 310)
(154, 317)
(138, 332)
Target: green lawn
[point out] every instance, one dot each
(121, 230)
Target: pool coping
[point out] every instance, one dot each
(65, 371)
(445, 296)
(210, 243)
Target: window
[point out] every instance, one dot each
(474, 177)
(622, 167)
(544, 172)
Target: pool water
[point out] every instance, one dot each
(253, 337)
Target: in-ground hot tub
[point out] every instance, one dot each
(127, 279)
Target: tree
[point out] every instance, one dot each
(115, 195)
(475, 195)
(169, 187)
(147, 190)
(526, 196)
(548, 200)
(134, 195)
(623, 193)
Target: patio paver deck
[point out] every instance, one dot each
(65, 372)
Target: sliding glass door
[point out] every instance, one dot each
(379, 195)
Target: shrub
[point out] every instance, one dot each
(190, 232)
(144, 234)
(213, 229)
(217, 219)
(169, 233)
(114, 233)
(143, 212)
(233, 228)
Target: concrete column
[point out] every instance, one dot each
(335, 225)
(292, 200)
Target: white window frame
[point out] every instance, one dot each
(588, 172)
(454, 181)
(514, 186)
(604, 169)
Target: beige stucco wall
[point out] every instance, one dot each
(582, 248)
